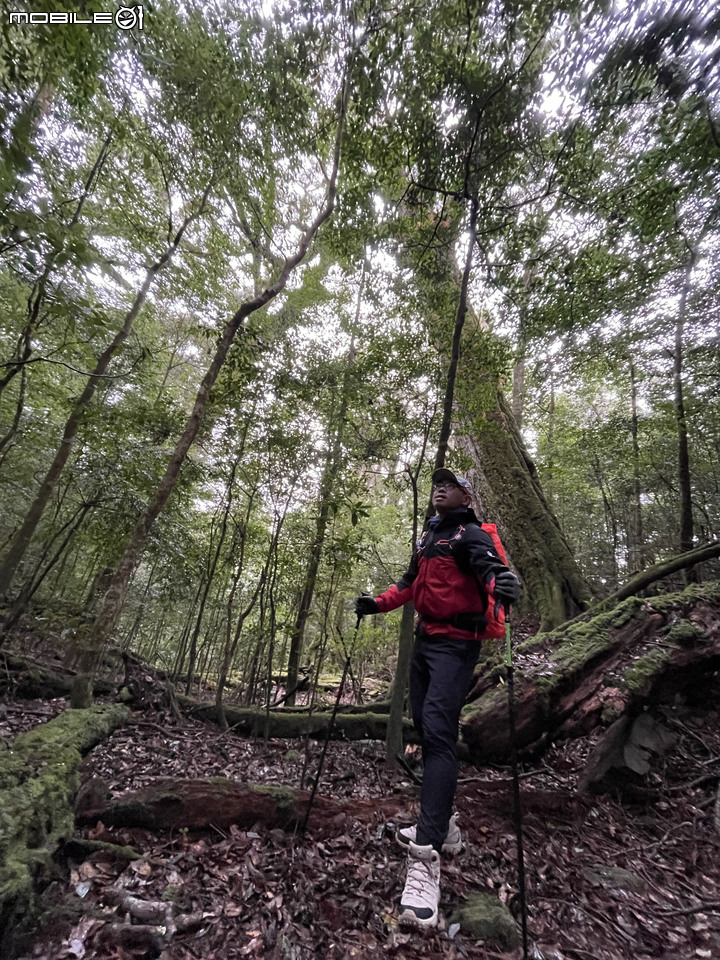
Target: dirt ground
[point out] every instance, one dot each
(605, 881)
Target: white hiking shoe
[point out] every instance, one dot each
(421, 896)
(453, 842)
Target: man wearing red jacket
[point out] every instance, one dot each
(457, 583)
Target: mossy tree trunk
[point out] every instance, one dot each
(218, 803)
(506, 480)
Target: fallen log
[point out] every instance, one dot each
(286, 724)
(573, 679)
(29, 680)
(218, 804)
(39, 777)
(168, 804)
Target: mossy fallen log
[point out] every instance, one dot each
(25, 678)
(39, 776)
(574, 679)
(168, 804)
(284, 724)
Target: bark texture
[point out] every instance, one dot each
(198, 804)
(589, 674)
(504, 476)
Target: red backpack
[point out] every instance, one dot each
(495, 625)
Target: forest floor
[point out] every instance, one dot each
(268, 893)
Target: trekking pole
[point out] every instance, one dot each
(516, 780)
(330, 728)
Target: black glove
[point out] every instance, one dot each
(365, 605)
(507, 588)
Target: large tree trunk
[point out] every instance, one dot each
(590, 673)
(505, 477)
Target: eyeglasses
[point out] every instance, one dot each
(446, 486)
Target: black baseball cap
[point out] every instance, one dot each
(447, 476)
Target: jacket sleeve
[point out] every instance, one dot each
(401, 592)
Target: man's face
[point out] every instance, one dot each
(449, 496)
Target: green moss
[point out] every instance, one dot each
(484, 916)
(683, 632)
(38, 780)
(580, 642)
(486, 704)
(644, 669)
(283, 796)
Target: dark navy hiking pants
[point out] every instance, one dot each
(440, 677)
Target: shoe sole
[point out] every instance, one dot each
(410, 920)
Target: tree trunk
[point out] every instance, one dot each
(505, 477)
(449, 400)
(518, 394)
(394, 738)
(249, 722)
(116, 595)
(39, 777)
(684, 481)
(636, 547)
(331, 472)
(212, 568)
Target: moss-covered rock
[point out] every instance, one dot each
(39, 776)
(485, 917)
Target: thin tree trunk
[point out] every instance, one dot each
(394, 734)
(19, 407)
(211, 570)
(550, 459)
(230, 644)
(231, 648)
(329, 477)
(637, 551)
(33, 583)
(610, 523)
(182, 645)
(449, 401)
(684, 481)
(22, 538)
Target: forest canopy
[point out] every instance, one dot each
(265, 266)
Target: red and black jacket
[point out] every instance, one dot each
(447, 578)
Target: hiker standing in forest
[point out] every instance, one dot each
(459, 583)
